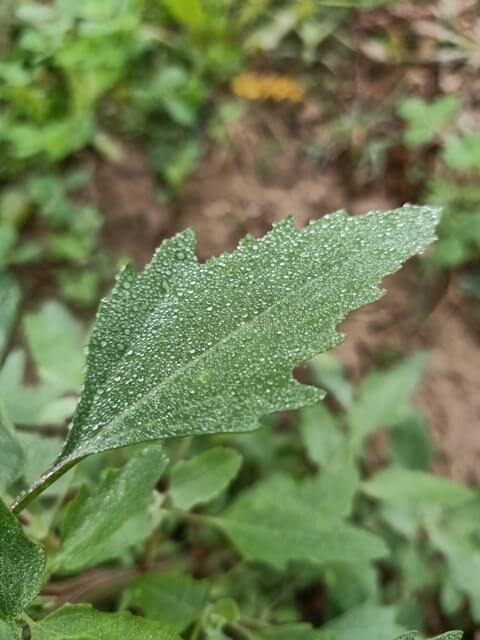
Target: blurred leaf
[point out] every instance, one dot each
(383, 397)
(97, 524)
(288, 632)
(10, 298)
(396, 484)
(277, 531)
(463, 153)
(24, 403)
(329, 373)
(187, 12)
(203, 477)
(22, 565)
(321, 434)
(411, 444)
(56, 339)
(12, 456)
(427, 120)
(82, 622)
(330, 492)
(366, 622)
(172, 598)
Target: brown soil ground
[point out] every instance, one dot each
(261, 175)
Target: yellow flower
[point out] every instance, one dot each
(267, 86)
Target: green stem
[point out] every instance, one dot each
(41, 485)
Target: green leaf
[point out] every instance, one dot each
(82, 622)
(366, 622)
(321, 434)
(9, 304)
(396, 484)
(329, 373)
(331, 492)
(22, 565)
(8, 631)
(97, 525)
(384, 396)
(288, 632)
(204, 476)
(270, 524)
(410, 442)
(187, 12)
(426, 120)
(188, 348)
(463, 153)
(172, 598)
(12, 455)
(56, 339)
(31, 405)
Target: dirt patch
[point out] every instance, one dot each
(136, 220)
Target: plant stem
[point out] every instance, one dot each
(41, 485)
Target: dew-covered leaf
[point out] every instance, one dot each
(271, 524)
(22, 564)
(187, 348)
(204, 476)
(97, 524)
(82, 622)
(172, 598)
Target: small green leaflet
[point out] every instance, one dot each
(274, 524)
(288, 632)
(425, 120)
(187, 348)
(10, 297)
(396, 484)
(82, 622)
(97, 526)
(321, 434)
(22, 564)
(56, 339)
(204, 476)
(384, 396)
(365, 622)
(172, 598)
(55, 342)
